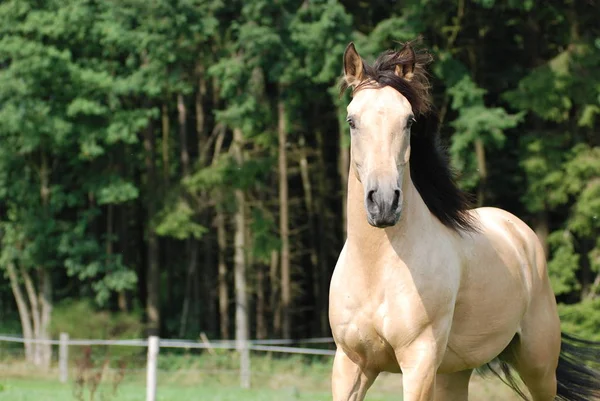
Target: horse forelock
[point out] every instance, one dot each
(383, 73)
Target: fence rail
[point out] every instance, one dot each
(154, 344)
(172, 343)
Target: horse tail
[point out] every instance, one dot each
(576, 378)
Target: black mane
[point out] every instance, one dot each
(430, 167)
(434, 178)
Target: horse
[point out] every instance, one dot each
(425, 284)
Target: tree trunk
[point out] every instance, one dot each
(165, 144)
(24, 312)
(45, 284)
(482, 169)
(322, 233)
(210, 284)
(166, 134)
(261, 318)
(275, 293)
(122, 301)
(241, 296)
(308, 201)
(200, 114)
(222, 271)
(110, 211)
(205, 278)
(201, 291)
(284, 222)
(182, 117)
(153, 268)
(35, 312)
(46, 314)
(40, 312)
(223, 289)
(191, 244)
(189, 287)
(124, 250)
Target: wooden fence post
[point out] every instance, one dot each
(63, 357)
(244, 351)
(153, 348)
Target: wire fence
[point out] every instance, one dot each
(173, 343)
(90, 360)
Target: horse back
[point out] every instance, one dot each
(512, 236)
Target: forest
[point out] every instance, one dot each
(178, 167)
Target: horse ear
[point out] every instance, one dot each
(406, 69)
(353, 66)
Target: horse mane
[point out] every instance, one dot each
(430, 167)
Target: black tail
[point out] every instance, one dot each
(576, 374)
(504, 372)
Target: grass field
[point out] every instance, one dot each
(46, 390)
(213, 378)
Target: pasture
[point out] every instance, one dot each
(212, 378)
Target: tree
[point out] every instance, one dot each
(120, 131)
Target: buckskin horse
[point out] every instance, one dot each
(424, 285)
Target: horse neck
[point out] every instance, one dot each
(362, 236)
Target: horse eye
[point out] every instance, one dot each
(351, 122)
(410, 122)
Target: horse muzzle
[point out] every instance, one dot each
(384, 206)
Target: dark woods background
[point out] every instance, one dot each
(167, 162)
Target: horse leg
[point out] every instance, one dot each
(349, 381)
(452, 386)
(534, 352)
(419, 381)
(419, 364)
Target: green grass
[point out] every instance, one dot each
(45, 390)
(214, 378)
(20, 389)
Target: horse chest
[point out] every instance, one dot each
(370, 325)
(373, 317)
(358, 329)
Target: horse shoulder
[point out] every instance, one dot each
(507, 242)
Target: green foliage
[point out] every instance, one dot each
(387, 33)
(11, 326)
(81, 319)
(208, 177)
(564, 263)
(319, 33)
(475, 121)
(117, 191)
(582, 319)
(526, 5)
(543, 91)
(264, 239)
(177, 221)
(540, 158)
(84, 84)
(55, 110)
(564, 91)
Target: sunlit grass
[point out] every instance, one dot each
(214, 377)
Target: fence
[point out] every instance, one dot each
(154, 344)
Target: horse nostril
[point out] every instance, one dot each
(370, 196)
(396, 199)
